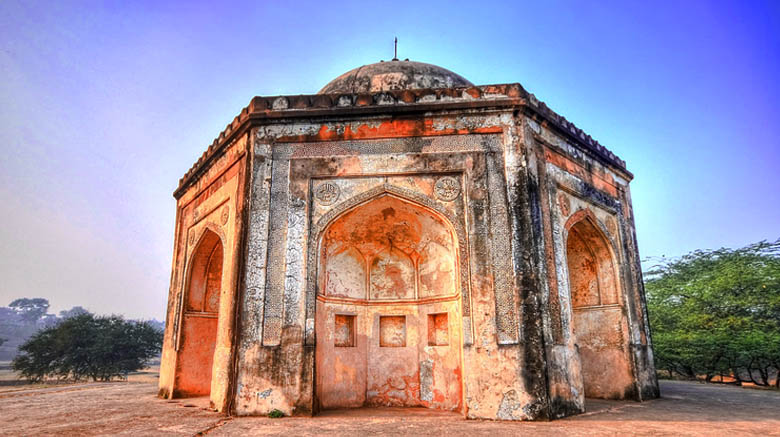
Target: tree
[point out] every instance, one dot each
(31, 310)
(75, 311)
(718, 313)
(88, 346)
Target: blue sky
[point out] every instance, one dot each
(105, 105)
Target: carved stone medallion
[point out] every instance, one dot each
(447, 188)
(223, 218)
(327, 193)
(564, 204)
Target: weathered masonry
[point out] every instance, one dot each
(405, 238)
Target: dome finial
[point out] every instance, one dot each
(395, 50)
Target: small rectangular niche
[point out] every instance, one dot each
(392, 331)
(344, 330)
(438, 330)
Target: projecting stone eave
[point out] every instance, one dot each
(261, 110)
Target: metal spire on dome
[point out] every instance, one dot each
(395, 50)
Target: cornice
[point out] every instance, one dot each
(275, 109)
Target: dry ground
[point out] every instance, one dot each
(132, 408)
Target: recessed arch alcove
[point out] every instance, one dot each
(200, 318)
(388, 310)
(598, 319)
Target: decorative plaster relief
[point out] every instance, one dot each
(447, 188)
(507, 317)
(327, 193)
(295, 269)
(612, 228)
(256, 248)
(223, 218)
(564, 204)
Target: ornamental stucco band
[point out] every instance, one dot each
(256, 248)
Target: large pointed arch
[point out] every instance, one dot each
(586, 233)
(373, 342)
(599, 325)
(197, 334)
(317, 230)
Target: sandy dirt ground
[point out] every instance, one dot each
(132, 408)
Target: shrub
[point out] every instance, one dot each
(275, 414)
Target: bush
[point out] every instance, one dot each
(276, 414)
(88, 346)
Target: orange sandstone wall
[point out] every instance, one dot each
(214, 204)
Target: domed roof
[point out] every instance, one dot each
(394, 75)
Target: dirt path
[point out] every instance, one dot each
(132, 408)
(99, 409)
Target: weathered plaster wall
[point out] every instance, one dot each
(310, 180)
(574, 183)
(388, 267)
(507, 178)
(213, 205)
(198, 325)
(599, 326)
(392, 362)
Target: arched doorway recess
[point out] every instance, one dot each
(598, 322)
(388, 312)
(200, 318)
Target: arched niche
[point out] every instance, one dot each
(388, 308)
(200, 318)
(598, 320)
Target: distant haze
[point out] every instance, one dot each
(103, 107)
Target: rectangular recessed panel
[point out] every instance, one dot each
(392, 331)
(344, 330)
(438, 331)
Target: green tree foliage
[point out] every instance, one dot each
(88, 346)
(21, 321)
(31, 310)
(718, 313)
(75, 311)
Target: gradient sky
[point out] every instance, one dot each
(104, 106)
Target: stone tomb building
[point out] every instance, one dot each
(405, 238)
